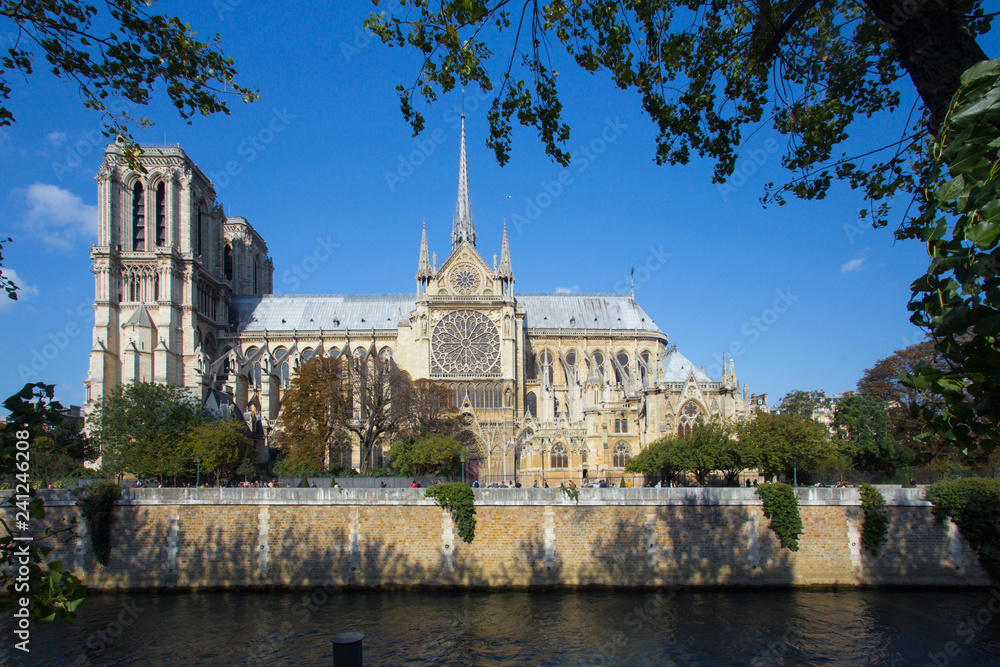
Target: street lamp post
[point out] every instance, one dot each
(197, 481)
(463, 467)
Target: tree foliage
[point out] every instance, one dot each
(116, 53)
(779, 441)
(708, 73)
(862, 425)
(381, 395)
(876, 524)
(958, 300)
(803, 403)
(427, 455)
(313, 415)
(51, 593)
(973, 504)
(222, 446)
(97, 505)
(142, 428)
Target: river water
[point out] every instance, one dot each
(714, 627)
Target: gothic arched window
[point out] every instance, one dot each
(227, 262)
(559, 457)
(545, 361)
(198, 231)
(621, 368)
(161, 214)
(621, 455)
(138, 218)
(690, 416)
(531, 402)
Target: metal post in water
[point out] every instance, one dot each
(347, 649)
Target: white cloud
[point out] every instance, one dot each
(57, 216)
(26, 292)
(853, 265)
(567, 290)
(56, 138)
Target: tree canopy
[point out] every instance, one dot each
(222, 446)
(431, 454)
(313, 414)
(142, 428)
(779, 442)
(707, 72)
(113, 52)
(863, 426)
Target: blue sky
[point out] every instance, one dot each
(804, 296)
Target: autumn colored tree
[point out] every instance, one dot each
(314, 412)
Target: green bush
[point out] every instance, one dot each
(571, 492)
(458, 499)
(973, 504)
(876, 525)
(97, 504)
(782, 508)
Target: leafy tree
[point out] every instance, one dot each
(51, 592)
(431, 408)
(428, 455)
(222, 445)
(803, 403)
(778, 441)
(6, 284)
(706, 72)
(381, 394)
(313, 415)
(701, 451)
(663, 457)
(117, 50)
(862, 424)
(143, 428)
(958, 299)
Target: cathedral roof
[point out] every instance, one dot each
(286, 312)
(331, 312)
(677, 367)
(584, 311)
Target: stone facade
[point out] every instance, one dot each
(193, 538)
(551, 386)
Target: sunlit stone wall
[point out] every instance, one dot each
(165, 538)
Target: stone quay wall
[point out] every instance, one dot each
(371, 538)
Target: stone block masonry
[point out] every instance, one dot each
(374, 538)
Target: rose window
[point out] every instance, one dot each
(465, 280)
(465, 343)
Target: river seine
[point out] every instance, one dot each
(685, 627)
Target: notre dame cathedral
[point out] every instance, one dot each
(560, 386)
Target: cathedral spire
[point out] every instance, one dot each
(424, 271)
(463, 230)
(505, 271)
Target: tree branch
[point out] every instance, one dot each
(772, 44)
